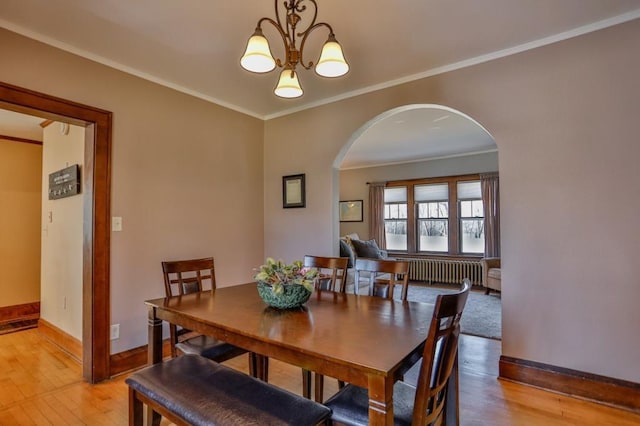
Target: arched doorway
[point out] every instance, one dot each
(96, 227)
(423, 146)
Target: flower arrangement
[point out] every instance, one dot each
(278, 274)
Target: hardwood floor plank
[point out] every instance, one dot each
(67, 416)
(44, 386)
(20, 416)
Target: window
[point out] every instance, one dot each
(433, 217)
(471, 217)
(438, 215)
(395, 218)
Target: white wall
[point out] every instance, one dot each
(61, 256)
(564, 117)
(353, 183)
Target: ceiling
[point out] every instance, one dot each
(194, 46)
(20, 125)
(415, 133)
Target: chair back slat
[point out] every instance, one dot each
(398, 271)
(439, 356)
(188, 276)
(185, 277)
(330, 269)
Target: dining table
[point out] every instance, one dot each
(366, 341)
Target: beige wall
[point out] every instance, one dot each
(20, 186)
(565, 121)
(353, 183)
(61, 259)
(186, 175)
(564, 118)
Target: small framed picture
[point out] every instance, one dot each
(293, 193)
(351, 211)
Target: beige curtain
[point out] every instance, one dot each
(490, 184)
(376, 213)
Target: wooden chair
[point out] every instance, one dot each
(331, 269)
(188, 276)
(423, 404)
(192, 390)
(381, 286)
(394, 272)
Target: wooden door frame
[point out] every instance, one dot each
(96, 215)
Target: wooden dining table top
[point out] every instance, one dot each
(342, 335)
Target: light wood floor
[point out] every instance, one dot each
(40, 385)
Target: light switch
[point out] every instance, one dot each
(116, 223)
(50, 216)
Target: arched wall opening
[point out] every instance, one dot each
(410, 142)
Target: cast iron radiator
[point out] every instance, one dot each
(444, 270)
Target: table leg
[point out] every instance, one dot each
(154, 355)
(380, 401)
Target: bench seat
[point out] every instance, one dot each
(193, 390)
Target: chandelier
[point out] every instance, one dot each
(258, 58)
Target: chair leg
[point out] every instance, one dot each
(253, 365)
(135, 409)
(319, 388)
(153, 418)
(262, 367)
(306, 383)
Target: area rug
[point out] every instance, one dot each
(482, 315)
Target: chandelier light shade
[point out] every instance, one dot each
(331, 62)
(259, 59)
(288, 84)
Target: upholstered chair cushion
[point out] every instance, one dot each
(351, 405)
(494, 273)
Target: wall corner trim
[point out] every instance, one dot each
(61, 339)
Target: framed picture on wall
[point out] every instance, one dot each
(293, 192)
(351, 211)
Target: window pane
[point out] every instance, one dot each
(469, 190)
(443, 209)
(395, 211)
(423, 209)
(465, 208)
(402, 211)
(395, 195)
(478, 209)
(390, 211)
(433, 235)
(396, 234)
(434, 192)
(433, 210)
(472, 235)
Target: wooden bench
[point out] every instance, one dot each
(192, 390)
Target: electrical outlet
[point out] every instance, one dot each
(115, 331)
